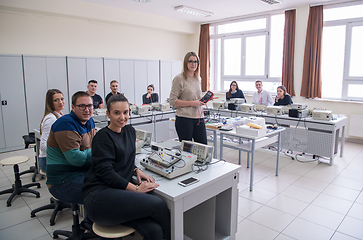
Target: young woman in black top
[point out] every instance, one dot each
(282, 98)
(234, 91)
(109, 196)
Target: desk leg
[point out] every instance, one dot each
(215, 144)
(278, 154)
(239, 151)
(221, 146)
(177, 224)
(342, 141)
(252, 163)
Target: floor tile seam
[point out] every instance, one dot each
(285, 235)
(298, 217)
(341, 197)
(1, 229)
(263, 225)
(347, 235)
(346, 187)
(345, 214)
(282, 210)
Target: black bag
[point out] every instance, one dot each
(29, 139)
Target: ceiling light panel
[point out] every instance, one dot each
(193, 11)
(271, 2)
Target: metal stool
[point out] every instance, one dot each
(116, 231)
(17, 188)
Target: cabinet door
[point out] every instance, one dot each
(111, 69)
(12, 91)
(140, 80)
(127, 84)
(95, 71)
(77, 76)
(35, 76)
(153, 75)
(57, 77)
(165, 80)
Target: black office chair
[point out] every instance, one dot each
(54, 204)
(77, 233)
(30, 140)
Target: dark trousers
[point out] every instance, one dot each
(191, 128)
(146, 213)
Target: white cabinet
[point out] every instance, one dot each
(168, 70)
(80, 71)
(13, 123)
(40, 74)
(127, 82)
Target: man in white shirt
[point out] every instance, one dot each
(262, 96)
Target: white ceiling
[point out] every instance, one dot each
(221, 9)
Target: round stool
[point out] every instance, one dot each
(17, 188)
(112, 231)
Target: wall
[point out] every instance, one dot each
(72, 28)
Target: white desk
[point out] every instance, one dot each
(317, 137)
(249, 144)
(204, 210)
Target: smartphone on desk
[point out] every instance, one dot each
(207, 97)
(188, 181)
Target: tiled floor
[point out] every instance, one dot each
(306, 201)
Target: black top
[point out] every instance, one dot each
(109, 95)
(154, 98)
(113, 158)
(284, 102)
(97, 100)
(237, 94)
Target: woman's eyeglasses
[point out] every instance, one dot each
(191, 62)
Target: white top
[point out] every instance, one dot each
(45, 130)
(263, 97)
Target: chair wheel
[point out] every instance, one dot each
(32, 215)
(55, 236)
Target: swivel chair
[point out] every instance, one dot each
(54, 204)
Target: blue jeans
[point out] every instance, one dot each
(146, 213)
(42, 162)
(70, 191)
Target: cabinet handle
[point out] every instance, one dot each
(4, 102)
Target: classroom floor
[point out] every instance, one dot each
(306, 201)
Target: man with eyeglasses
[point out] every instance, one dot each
(69, 150)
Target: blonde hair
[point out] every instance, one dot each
(185, 65)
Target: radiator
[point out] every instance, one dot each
(356, 125)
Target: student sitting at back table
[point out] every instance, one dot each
(114, 90)
(261, 96)
(282, 98)
(97, 99)
(234, 91)
(150, 96)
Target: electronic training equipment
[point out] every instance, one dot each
(274, 110)
(140, 110)
(322, 115)
(204, 152)
(169, 163)
(260, 107)
(299, 105)
(298, 113)
(208, 96)
(246, 107)
(143, 138)
(219, 105)
(161, 106)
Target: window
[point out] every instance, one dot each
(247, 50)
(342, 52)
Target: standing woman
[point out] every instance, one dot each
(234, 91)
(150, 96)
(54, 104)
(185, 95)
(109, 196)
(282, 98)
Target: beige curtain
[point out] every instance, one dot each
(311, 78)
(204, 56)
(289, 52)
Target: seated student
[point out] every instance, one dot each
(97, 99)
(282, 98)
(114, 90)
(261, 96)
(54, 104)
(109, 196)
(150, 96)
(234, 91)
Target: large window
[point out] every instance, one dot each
(247, 50)
(342, 53)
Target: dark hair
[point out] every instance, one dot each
(92, 81)
(152, 86)
(78, 95)
(116, 98)
(185, 65)
(258, 81)
(229, 93)
(283, 89)
(49, 104)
